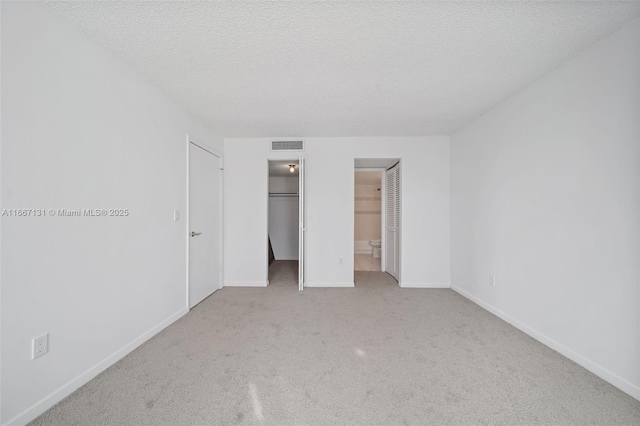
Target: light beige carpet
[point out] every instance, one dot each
(375, 354)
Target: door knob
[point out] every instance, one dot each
(195, 234)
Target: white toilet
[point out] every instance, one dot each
(376, 244)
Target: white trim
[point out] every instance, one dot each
(221, 274)
(383, 182)
(206, 147)
(330, 284)
(383, 222)
(302, 223)
(424, 285)
(187, 222)
(65, 390)
(246, 283)
(599, 371)
(400, 238)
(266, 246)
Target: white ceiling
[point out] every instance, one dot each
(344, 68)
(281, 168)
(374, 163)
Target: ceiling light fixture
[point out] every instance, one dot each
(292, 168)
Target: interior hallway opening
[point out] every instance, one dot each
(284, 273)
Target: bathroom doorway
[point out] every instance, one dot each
(368, 220)
(285, 208)
(377, 215)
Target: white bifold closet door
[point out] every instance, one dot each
(392, 221)
(301, 224)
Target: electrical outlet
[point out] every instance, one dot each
(40, 346)
(492, 280)
(176, 215)
(340, 261)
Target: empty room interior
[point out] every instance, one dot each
(317, 213)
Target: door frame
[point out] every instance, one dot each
(191, 140)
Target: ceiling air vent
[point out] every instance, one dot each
(287, 145)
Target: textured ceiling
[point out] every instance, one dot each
(344, 68)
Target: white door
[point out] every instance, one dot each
(301, 224)
(204, 222)
(392, 219)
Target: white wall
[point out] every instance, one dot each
(283, 217)
(330, 207)
(81, 130)
(545, 196)
(283, 184)
(283, 227)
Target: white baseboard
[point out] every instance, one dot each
(424, 285)
(61, 393)
(603, 373)
(246, 283)
(330, 284)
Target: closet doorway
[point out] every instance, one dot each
(285, 223)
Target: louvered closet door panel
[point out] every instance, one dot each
(396, 223)
(392, 258)
(390, 220)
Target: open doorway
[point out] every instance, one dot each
(368, 220)
(283, 239)
(377, 216)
